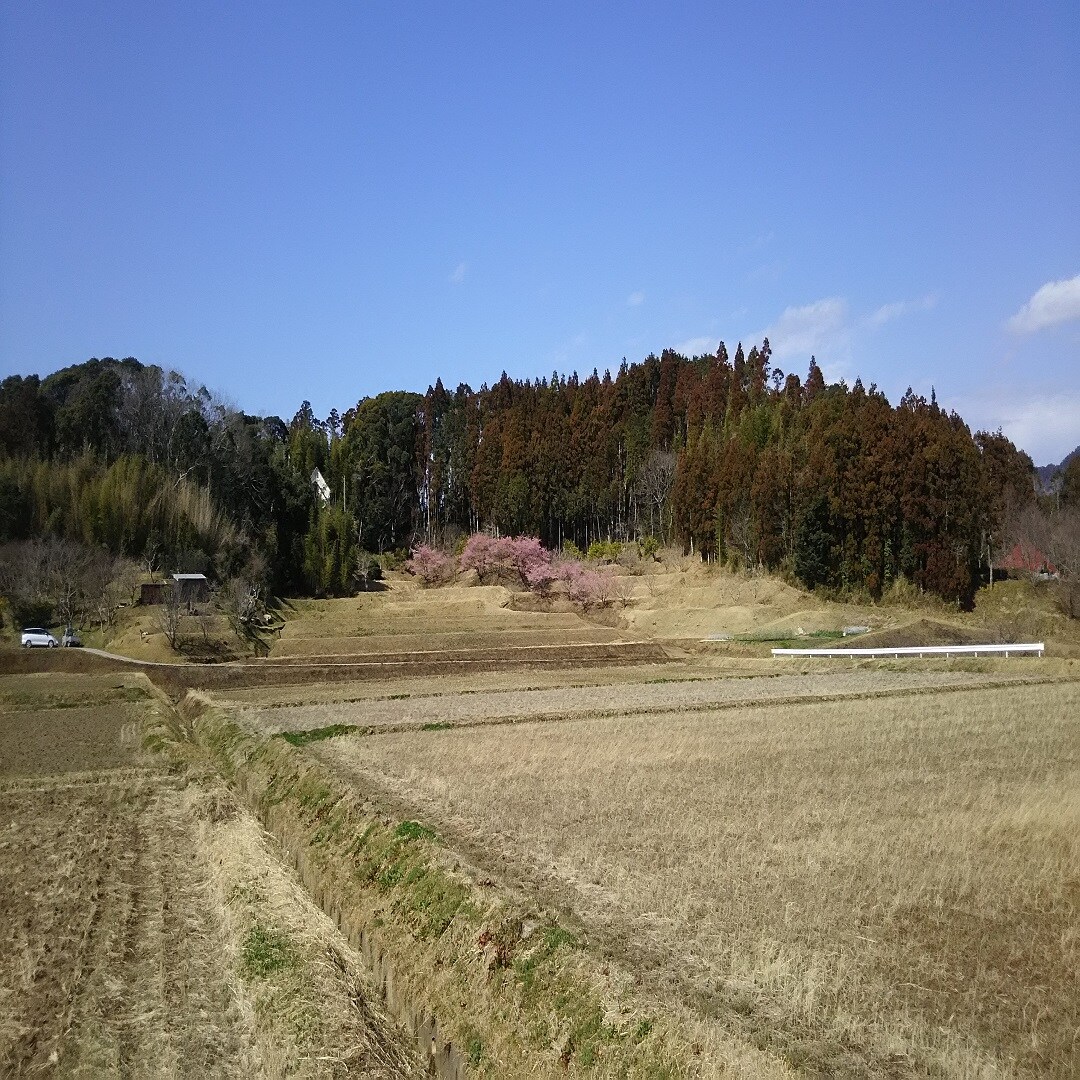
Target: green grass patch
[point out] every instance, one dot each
(436, 725)
(265, 951)
(430, 899)
(413, 830)
(474, 1049)
(302, 738)
(552, 939)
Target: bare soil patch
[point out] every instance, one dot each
(147, 927)
(110, 961)
(35, 742)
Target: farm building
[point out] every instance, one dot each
(194, 588)
(152, 592)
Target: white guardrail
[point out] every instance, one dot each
(921, 650)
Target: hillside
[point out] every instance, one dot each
(1044, 474)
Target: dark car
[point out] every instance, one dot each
(71, 640)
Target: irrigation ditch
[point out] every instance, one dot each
(484, 981)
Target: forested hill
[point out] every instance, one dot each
(725, 456)
(1047, 474)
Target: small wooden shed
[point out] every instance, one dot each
(194, 588)
(152, 592)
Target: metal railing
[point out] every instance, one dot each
(921, 650)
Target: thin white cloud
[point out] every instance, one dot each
(813, 328)
(635, 299)
(1046, 425)
(887, 312)
(698, 346)
(1056, 302)
(458, 276)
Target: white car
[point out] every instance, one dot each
(35, 636)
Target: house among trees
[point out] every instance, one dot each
(322, 488)
(1025, 560)
(191, 589)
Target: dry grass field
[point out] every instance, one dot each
(870, 887)
(850, 868)
(662, 695)
(147, 927)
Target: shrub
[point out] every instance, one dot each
(604, 551)
(431, 566)
(393, 560)
(368, 569)
(648, 547)
(586, 586)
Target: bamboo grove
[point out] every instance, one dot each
(727, 457)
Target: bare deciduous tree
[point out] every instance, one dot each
(239, 600)
(172, 606)
(654, 485)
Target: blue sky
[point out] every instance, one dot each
(328, 200)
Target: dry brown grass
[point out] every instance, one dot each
(610, 698)
(881, 888)
(440, 640)
(297, 982)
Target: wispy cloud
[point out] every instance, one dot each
(1045, 424)
(458, 275)
(802, 331)
(635, 299)
(1056, 302)
(888, 312)
(698, 346)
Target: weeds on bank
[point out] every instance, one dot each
(546, 971)
(302, 738)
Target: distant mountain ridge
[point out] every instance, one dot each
(1045, 473)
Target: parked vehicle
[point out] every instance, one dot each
(71, 640)
(36, 637)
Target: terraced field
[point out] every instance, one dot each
(703, 693)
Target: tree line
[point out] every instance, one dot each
(726, 456)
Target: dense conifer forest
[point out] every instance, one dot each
(725, 456)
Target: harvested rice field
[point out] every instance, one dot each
(147, 924)
(875, 885)
(622, 698)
